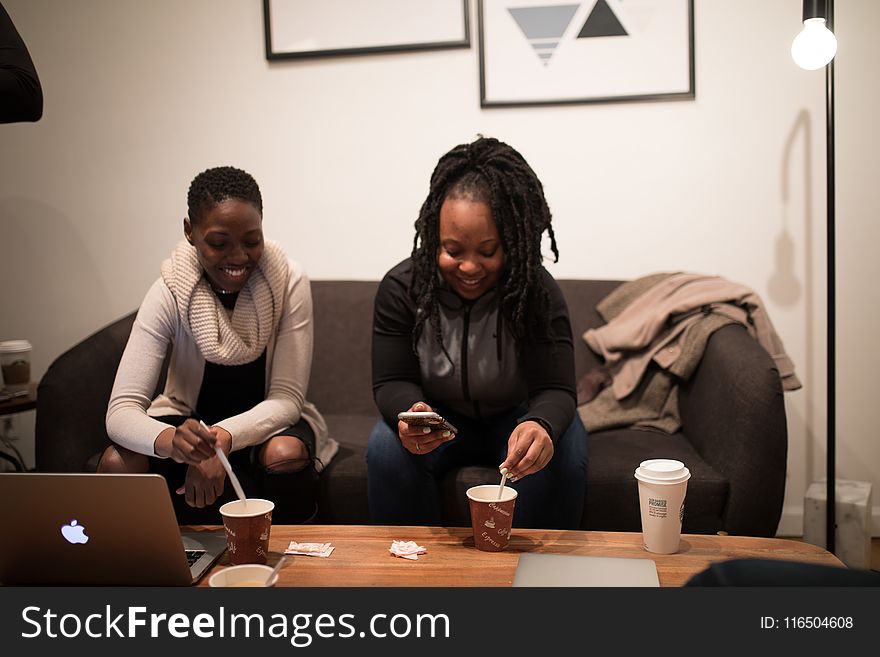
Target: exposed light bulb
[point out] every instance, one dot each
(814, 46)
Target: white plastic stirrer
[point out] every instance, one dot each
(503, 479)
(228, 468)
(275, 570)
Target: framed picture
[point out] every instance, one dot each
(320, 28)
(548, 52)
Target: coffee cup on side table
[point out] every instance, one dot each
(662, 488)
(247, 524)
(491, 516)
(15, 364)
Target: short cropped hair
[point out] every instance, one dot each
(218, 184)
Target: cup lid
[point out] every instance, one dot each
(14, 346)
(662, 471)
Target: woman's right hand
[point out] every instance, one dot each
(421, 440)
(204, 483)
(190, 443)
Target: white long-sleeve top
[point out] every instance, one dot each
(131, 412)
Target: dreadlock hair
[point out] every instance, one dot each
(491, 172)
(218, 184)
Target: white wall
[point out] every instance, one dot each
(140, 96)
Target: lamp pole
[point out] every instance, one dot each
(812, 49)
(831, 386)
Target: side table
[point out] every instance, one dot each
(8, 451)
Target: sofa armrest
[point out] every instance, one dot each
(72, 400)
(733, 412)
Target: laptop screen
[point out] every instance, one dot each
(93, 529)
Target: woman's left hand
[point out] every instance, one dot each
(529, 450)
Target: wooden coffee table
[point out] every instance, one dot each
(361, 557)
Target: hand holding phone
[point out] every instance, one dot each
(426, 419)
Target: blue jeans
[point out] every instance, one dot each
(403, 488)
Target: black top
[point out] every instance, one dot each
(228, 390)
(484, 371)
(21, 96)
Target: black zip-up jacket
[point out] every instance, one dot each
(489, 374)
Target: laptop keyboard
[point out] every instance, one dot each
(193, 555)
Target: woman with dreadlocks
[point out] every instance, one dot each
(237, 316)
(472, 326)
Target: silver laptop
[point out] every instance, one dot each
(538, 569)
(97, 529)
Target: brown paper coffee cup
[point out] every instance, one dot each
(491, 517)
(247, 524)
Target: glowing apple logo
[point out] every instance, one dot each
(74, 533)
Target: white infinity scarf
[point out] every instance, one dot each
(222, 339)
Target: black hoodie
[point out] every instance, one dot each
(493, 374)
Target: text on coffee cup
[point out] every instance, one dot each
(656, 508)
(497, 508)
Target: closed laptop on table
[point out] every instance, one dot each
(539, 569)
(97, 529)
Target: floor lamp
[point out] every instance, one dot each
(812, 49)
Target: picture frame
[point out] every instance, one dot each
(298, 29)
(552, 52)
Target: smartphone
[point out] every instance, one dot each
(426, 419)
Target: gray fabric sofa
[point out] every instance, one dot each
(733, 435)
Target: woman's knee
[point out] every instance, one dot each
(119, 460)
(281, 454)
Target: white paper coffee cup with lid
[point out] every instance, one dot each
(15, 363)
(662, 489)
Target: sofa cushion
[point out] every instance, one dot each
(342, 497)
(612, 499)
(72, 401)
(341, 377)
